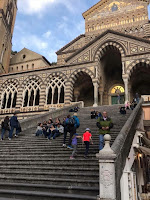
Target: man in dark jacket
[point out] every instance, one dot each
(68, 127)
(104, 124)
(14, 124)
(5, 126)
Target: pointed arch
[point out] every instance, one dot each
(31, 93)
(78, 72)
(9, 93)
(135, 64)
(55, 84)
(108, 45)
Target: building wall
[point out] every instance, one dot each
(28, 65)
(8, 9)
(128, 16)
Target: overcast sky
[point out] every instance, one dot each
(45, 26)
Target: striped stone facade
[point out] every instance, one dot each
(84, 72)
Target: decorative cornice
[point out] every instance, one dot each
(103, 34)
(94, 7)
(69, 44)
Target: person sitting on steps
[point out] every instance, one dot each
(39, 130)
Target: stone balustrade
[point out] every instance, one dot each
(112, 160)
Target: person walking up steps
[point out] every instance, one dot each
(5, 126)
(74, 145)
(14, 124)
(69, 127)
(87, 138)
(77, 122)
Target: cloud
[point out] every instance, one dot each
(31, 7)
(33, 41)
(47, 34)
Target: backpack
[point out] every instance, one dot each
(71, 121)
(77, 123)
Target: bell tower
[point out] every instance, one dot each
(8, 10)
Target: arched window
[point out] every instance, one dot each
(117, 90)
(55, 91)
(31, 94)
(9, 95)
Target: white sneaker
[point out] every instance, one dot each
(16, 135)
(9, 138)
(64, 145)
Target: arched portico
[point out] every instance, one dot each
(139, 79)
(85, 87)
(109, 57)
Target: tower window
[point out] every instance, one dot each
(114, 8)
(24, 56)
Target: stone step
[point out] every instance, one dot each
(44, 157)
(70, 164)
(50, 181)
(48, 168)
(32, 195)
(92, 191)
(30, 164)
(65, 174)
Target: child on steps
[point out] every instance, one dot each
(74, 145)
(87, 138)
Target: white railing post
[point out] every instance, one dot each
(107, 181)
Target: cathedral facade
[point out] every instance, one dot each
(112, 58)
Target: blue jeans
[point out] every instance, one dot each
(87, 145)
(3, 132)
(101, 142)
(54, 134)
(12, 130)
(39, 132)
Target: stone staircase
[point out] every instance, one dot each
(35, 168)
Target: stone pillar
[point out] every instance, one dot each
(129, 93)
(123, 67)
(19, 101)
(101, 98)
(68, 93)
(42, 99)
(107, 181)
(126, 90)
(95, 94)
(76, 94)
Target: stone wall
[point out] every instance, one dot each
(33, 121)
(123, 143)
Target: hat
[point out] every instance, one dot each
(75, 114)
(87, 129)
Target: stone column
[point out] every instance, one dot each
(123, 67)
(68, 93)
(76, 94)
(126, 90)
(101, 98)
(129, 93)
(19, 101)
(42, 99)
(107, 181)
(95, 94)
